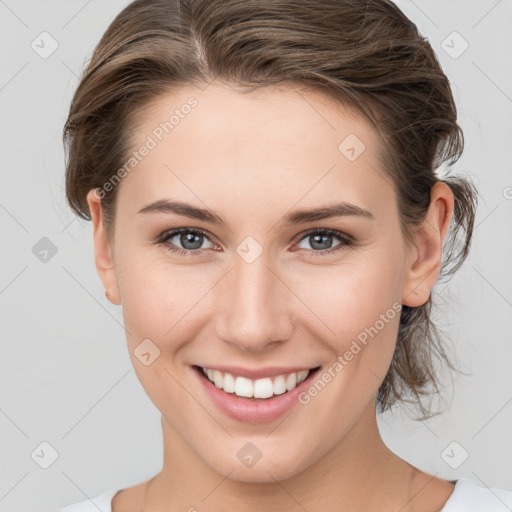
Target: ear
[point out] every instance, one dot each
(103, 252)
(425, 258)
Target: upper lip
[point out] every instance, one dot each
(259, 373)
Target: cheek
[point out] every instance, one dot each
(354, 291)
(157, 295)
(357, 305)
(161, 303)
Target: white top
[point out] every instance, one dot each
(466, 497)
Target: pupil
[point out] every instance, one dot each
(187, 238)
(321, 241)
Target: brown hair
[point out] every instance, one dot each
(364, 53)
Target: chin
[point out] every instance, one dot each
(266, 469)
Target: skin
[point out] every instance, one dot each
(252, 158)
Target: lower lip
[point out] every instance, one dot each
(253, 410)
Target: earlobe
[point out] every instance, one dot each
(103, 256)
(425, 259)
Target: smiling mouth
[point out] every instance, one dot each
(264, 388)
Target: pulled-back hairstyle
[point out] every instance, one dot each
(364, 53)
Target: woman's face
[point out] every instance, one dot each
(259, 294)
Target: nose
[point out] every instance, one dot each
(254, 307)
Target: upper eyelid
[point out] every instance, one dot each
(330, 231)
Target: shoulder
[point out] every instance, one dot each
(101, 503)
(470, 497)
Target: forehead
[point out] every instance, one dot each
(280, 144)
(229, 112)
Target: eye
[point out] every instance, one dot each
(321, 241)
(190, 240)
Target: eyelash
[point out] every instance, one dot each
(346, 240)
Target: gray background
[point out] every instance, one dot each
(66, 377)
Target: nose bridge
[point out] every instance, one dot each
(254, 309)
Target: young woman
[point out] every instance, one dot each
(261, 179)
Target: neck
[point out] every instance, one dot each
(360, 472)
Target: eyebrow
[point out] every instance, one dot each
(340, 209)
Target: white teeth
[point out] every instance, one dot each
(243, 387)
(229, 383)
(263, 388)
(217, 378)
(279, 385)
(260, 388)
(291, 381)
(302, 375)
